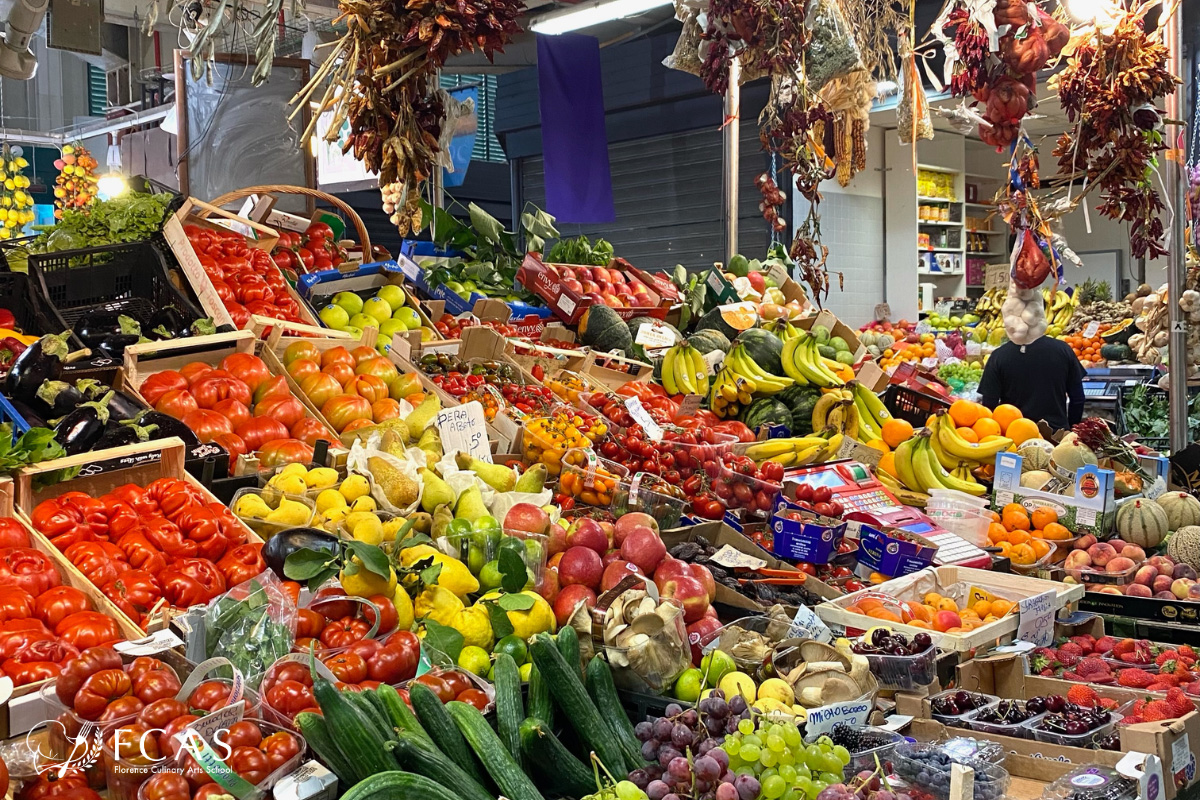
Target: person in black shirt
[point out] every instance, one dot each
(1037, 378)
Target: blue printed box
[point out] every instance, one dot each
(891, 555)
(799, 534)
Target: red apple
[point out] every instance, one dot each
(645, 549)
(689, 593)
(569, 598)
(627, 299)
(614, 572)
(610, 557)
(547, 585)
(590, 285)
(669, 568)
(612, 301)
(580, 565)
(527, 517)
(557, 542)
(705, 576)
(616, 276)
(586, 532)
(701, 633)
(627, 523)
(573, 285)
(757, 282)
(594, 298)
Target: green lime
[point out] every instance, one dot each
(524, 671)
(514, 544)
(475, 659)
(487, 524)
(491, 675)
(715, 666)
(490, 576)
(457, 529)
(515, 646)
(476, 559)
(688, 685)
(534, 554)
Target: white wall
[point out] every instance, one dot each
(1105, 234)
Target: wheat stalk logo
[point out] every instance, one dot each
(85, 749)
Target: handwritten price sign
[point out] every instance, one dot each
(464, 428)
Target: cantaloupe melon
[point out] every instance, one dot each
(1035, 454)
(1182, 509)
(1035, 479)
(1069, 455)
(1142, 522)
(1184, 546)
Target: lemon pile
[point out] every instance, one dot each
(16, 204)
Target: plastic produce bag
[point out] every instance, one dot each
(393, 468)
(252, 625)
(832, 53)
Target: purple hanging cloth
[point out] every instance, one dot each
(574, 143)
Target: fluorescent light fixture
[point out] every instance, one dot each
(585, 15)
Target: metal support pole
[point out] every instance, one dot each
(1177, 258)
(730, 159)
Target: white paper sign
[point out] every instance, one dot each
(653, 336)
(713, 361)
(463, 428)
(148, 646)
(1156, 489)
(923, 328)
(729, 556)
(689, 405)
(851, 448)
(642, 417)
(821, 720)
(1037, 619)
(408, 267)
(1091, 330)
(807, 625)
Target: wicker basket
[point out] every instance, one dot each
(274, 188)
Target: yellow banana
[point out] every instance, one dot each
(903, 459)
(851, 422)
(699, 369)
(961, 449)
(821, 410)
(866, 423)
(786, 459)
(874, 406)
(668, 372)
(809, 454)
(788, 357)
(935, 443)
(772, 447)
(947, 480)
(923, 461)
(830, 451)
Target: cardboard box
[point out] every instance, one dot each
(458, 305)
(1092, 509)
(806, 539)
(569, 305)
(836, 328)
(881, 551)
(1186, 612)
(721, 290)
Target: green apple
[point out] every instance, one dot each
(349, 301)
(393, 294)
(364, 321)
(353, 331)
(335, 317)
(426, 334)
(409, 316)
(390, 327)
(378, 308)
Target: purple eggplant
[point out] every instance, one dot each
(79, 431)
(42, 361)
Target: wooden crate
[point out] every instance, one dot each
(1011, 587)
(144, 360)
(197, 212)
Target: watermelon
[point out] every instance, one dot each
(708, 341)
(800, 401)
(602, 330)
(767, 411)
(713, 320)
(764, 347)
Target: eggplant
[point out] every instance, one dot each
(42, 361)
(120, 408)
(168, 426)
(32, 416)
(202, 327)
(114, 346)
(167, 323)
(79, 431)
(93, 328)
(60, 397)
(123, 433)
(284, 543)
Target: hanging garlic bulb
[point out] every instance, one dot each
(1024, 314)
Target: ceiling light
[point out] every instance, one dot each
(111, 185)
(17, 61)
(1101, 12)
(595, 13)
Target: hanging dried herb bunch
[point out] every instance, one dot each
(381, 76)
(876, 24)
(768, 36)
(1110, 89)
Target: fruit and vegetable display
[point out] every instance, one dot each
(386, 309)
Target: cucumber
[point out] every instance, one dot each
(560, 771)
(509, 710)
(358, 739)
(602, 690)
(566, 687)
(422, 756)
(396, 785)
(363, 703)
(442, 730)
(568, 644)
(398, 712)
(314, 730)
(512, 782)
(540, 704)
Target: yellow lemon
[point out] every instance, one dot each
(364, 503)
(367, 529)
(404, 609)
(739, 683)
(475, 626)
(354, 487)
(475, 659)
(364, 583)
(289, 484)
(330, 499)
(336, 514)
(777, 689)
(538, 618)
(525, 670)
(438, 604)
(454, 575)
(294, 468)
(392, 527)
(321, 478)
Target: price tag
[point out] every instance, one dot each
(929, 363)
(1178, 326)
(883, 312)
(942, 307)
(852, 448)
(807, 625)
(463, 428)
(1037, 619)
(642, 417)
(729, 556)
(566, 305)
(408, 267)
(714, 360)
(449, 348)
(923, 328)
(1156, 489)
(148, 646)
(689, 405)
(716, 280)
(655, 336)
(996, 277)
(1091, 330)
(821, 720)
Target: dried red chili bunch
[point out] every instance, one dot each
(1109, 90)
(971, 43)
(768, 36)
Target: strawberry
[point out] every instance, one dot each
(1073, 676)
(1193, 688)
(1103, 679)
(1124, 646)
(1086, 642)
(1165, 656)
(1178, 700)
(1136, 657)
(1158, 710)
(1158, 686)
(1187, 651)
(1042, 658)
(1083, 696)
(1047, 673)
(1092, 666)
(1135, 678)
(1070, 650)
(1168, 678)
(1132, 719)
(1104, 645)
(1108, 704)
(1139, 705)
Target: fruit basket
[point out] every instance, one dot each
(1005, 718)
(268, 511)
(869, 748)
(898, 662)
(1074, 726)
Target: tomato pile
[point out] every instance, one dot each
(247, 280)
(452, 684)
(240, 406)
(166, 541)
(97, 686)
(353, 388)
(332, 622)
(313, 251)
(43, 624)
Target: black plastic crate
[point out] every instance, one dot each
(125, 278)
(912, 406)
(18, 293)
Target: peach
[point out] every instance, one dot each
(1138, 590)
(1162, 564)
(1165, 596)
(945, 620)
(1117, 544)
(1077, 559)
(1162, 584)
(1084, 542)
(1101, 553)
(1134, 553)
(1146, 575)
(1119, 565)
(1180, 587)
(1184, 571)
(1110, 590)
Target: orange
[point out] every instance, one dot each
(995, 517)
(1005, 549)
(887, 463)
(1014, 518)
(1002, 607)
(986, 427)
(1006, 415)
(1043, 516)
(969, 434)
(932, 599)
(964, 413)
(896, 432)
(1022, 554)
(1018, 536)
(869, 604)
(880, 445)
(1041, 547)
(1021, 430)
(982, 411)
(981, 609)
(920, 612)
(1055, 532)
(997, 533)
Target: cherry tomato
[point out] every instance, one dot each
(474, 697)
(439, 685)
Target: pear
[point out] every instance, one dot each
(251, 505)
(290, 512)
(422, 522)
(437, 492)
(470, 505)
(442, 517)
(502, 479)
(431, 443)
(532, 480)
(393, 443)
(398, 488)
(422, 415)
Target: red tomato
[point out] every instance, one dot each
(343, 632)
(176, 403)
(160, 383)
(167, 786)
(77, 670)
(439, 686)
(246, 367)
(342, 372)
(320, 387)
(377, 367)
(85, 629)
(474, 697)
(259, 430)
(99, 690)
(122, 708)
(287, 410)
(206, 424)
(17, 603)
(27, 569)
(244, 734)
(367, 386)
(209, 696)
(156, 685)
(13, 533)
(275, 387)
(280, 748)
(161, 712)
(233, 410)
(303, 368)
(340, 411)
(388, 618)
(319, 229)
(458, 682)
(234, 445)
(331, 602)
(250, 763)
(348, 667)
(310, 431)
(290, 697)
(195, 371)
(284, 451)
(56, 604)
(210, 390)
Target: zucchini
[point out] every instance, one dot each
(422, 756)
(363, 703)
(561, 772)
(314, 730)
(540, 704)
(398, 712)
(600, 686)
(396, 785)
(442, 730)
(358, 739)
(509, 709)
(512, 782)
(566, 687)
(568, 644)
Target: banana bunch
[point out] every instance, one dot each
(872, 414)
(919, 469)
(901, 492)
(989, 305)
(837, 410)
(804, 364)
(684, 370)
(758, 380)
(783, 329)
(798, 451)
(729, 393)
(951, 450)
(1059, 308)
